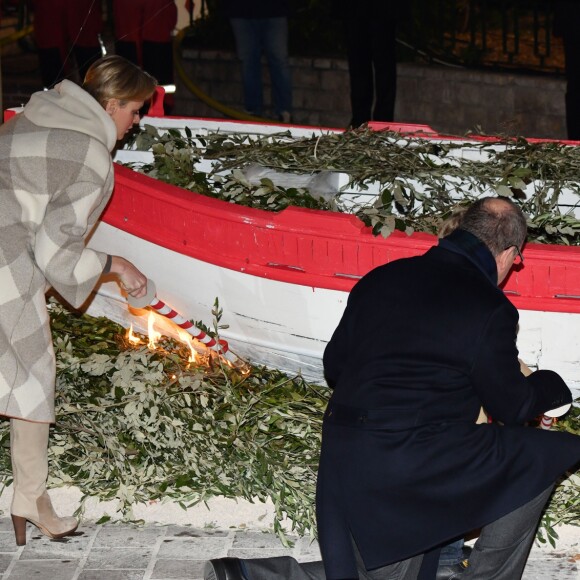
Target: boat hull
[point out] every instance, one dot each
(283, 325)
(283, 278)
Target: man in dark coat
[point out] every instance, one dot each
(424, 342)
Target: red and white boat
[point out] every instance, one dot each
(283, 278)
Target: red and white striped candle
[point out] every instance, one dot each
(150, 299)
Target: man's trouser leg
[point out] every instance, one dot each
(404, 570)
(282, 568)
(287, 568)
(503, 547)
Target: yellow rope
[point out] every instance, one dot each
(15, 36)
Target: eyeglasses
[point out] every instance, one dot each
(518, 254)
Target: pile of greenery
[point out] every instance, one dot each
(564, 506)
(420, 181)
(136, 425)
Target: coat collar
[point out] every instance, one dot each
(465, 243)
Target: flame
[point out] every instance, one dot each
(245, 369)
(241, 366)
(199, 353)
(153, 335)
(186, 338)
(131, 337)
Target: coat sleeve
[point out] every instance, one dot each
(59, 250)
(505, 393)
(336, 353)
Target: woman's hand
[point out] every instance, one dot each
(131, 280)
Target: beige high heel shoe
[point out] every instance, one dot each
(31, 502)
(45, 519)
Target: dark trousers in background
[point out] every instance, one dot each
(566, 22)
(372, 65)
(572, 50)
(268, 36)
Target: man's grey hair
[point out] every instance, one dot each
(497, 221)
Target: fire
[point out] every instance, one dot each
(199, 354)
(153, 335)
(131, 337)
(242, 367)
(186, 338)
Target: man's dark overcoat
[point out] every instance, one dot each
(424, 342)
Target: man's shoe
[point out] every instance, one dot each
(452, 572)
(223, 569)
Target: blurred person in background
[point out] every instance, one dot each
(369, 29)
(66, 32)
(144, 35)
(261, 27)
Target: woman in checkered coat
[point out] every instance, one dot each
(56, 176)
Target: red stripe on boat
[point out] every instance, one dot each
(308, 247)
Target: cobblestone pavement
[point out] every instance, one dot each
(127, 552)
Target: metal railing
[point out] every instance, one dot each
(514, 34)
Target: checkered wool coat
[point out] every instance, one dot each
(56, 176)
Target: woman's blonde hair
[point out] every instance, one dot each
(114, 77)
(453, 221)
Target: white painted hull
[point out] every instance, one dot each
(286, 326)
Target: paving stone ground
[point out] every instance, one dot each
(150, 552)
